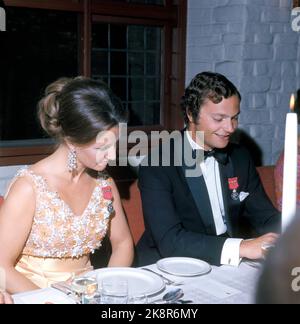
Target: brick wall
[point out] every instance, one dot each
(253, 44)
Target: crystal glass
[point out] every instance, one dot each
(114, 291)
(85, 288)
(142, 299)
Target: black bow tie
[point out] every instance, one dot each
(220, 155)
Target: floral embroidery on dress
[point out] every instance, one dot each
(56, 231)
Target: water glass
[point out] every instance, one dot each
(85, 288)
(91, 298)
(142, 299)
(114, 291)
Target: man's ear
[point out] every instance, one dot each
(189, 115)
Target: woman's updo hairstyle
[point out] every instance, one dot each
(78, 109)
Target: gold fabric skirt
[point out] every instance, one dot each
(45, 271)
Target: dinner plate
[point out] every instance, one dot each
(181, 266)
(139, 281)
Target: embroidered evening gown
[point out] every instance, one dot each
(59, 243)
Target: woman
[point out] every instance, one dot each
(59, 210)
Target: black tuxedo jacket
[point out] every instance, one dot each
(178, 215)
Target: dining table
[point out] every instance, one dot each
(218, 285)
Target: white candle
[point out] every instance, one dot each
(289, 194)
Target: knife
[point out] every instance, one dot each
(167, 280)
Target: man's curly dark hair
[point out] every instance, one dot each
(206, 85)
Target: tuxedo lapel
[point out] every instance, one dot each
(231, 206)
(201, 198)
(197, 187)
(226, 196)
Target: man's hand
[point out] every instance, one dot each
(252, 249)
(5, 298)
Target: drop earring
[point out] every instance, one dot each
(72, 160)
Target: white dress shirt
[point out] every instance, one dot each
(211, 173)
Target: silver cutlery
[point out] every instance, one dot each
(183, 301)
(170, 297)
(66, 289)
(166, 280)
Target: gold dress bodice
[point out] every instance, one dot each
(60, 242)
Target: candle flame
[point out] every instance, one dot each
(292, 102)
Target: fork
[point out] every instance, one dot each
(66, 289)
(165, 279)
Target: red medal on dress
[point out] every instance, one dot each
(107, 193)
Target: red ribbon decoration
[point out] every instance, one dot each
(106, 192)
(233, 183)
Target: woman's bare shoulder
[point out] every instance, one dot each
(23, 188)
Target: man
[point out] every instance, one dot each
(199, 216)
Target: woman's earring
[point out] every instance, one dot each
(72, 160)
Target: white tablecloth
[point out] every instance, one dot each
(223, 285)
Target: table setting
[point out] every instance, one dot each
(169, 281)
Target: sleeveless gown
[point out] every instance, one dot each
(60, 242)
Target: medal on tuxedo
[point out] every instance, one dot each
(233, 185)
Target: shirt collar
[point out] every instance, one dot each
(194, 145)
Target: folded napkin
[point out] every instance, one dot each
(43, 296)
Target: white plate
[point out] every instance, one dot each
(186, 267)
(139, 281)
